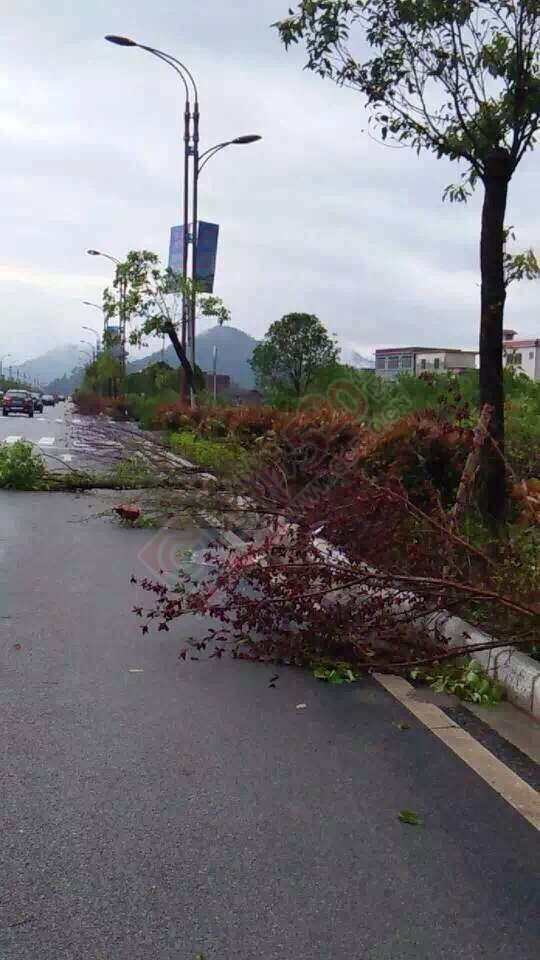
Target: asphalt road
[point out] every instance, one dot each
(47, 431)
(153, 809)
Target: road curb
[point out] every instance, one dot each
(514, 670)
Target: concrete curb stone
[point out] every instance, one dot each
(518, 673)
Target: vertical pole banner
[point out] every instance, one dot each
(176, 246)
(207, 241)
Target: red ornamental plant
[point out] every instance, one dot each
(286, 598)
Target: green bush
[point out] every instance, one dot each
(522, 444)
(218, 456)
(465, 678)
(20, 468)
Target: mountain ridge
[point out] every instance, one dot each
(234, 350)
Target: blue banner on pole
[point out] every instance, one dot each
(176, 245)
(207, 240)
(206, 254)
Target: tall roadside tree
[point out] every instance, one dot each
(293, 351)
(151, 299)
(460, 78)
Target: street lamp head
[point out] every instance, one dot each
(121, 41)
(94, 253)
(247, 138)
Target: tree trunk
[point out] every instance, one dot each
(181, 354)
(492, 467)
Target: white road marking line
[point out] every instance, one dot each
(80, 445)
(46, 442)
(41, 419)
(59, 420)
(12, 439)
(76, 421)
(66, 457)
(500, 778)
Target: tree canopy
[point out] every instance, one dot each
(294, 349)
(460, 78)
(457, 77)
(151, 300)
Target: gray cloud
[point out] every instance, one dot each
(317, 216)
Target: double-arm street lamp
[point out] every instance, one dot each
(96, 334)
(93, 330)
(122, 305)
(6, 355)
(194, 161)
(91, 345)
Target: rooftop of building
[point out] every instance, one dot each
(423, 350)
(521, 343)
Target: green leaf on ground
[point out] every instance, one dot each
(402, 726)
(409, 816)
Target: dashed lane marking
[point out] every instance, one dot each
(46, 442)
(66, 457)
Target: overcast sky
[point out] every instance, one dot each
(316, 217)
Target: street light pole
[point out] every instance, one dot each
(96, 306)
(91, 347)
(122, 306)
(191, 156)
(214, 370)
(96, 334)
(187, 81)
(6, 355)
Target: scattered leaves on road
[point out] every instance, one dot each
(22, 919)
(402, 726)
(409, 816)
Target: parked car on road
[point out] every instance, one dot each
(48, 400)
(38, 402)
(17, 401)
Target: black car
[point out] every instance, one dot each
(17, 401)
(38, 402)
(48, 400)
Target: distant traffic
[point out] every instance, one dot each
(27, 403)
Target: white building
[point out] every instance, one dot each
(523, 355)
(390, 361)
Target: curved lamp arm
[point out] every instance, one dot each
(98, 253)
(211, 152)
(177, 65)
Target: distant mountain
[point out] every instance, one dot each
(66, 384)
(234, 349)
(51, 365)
(351, 356)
